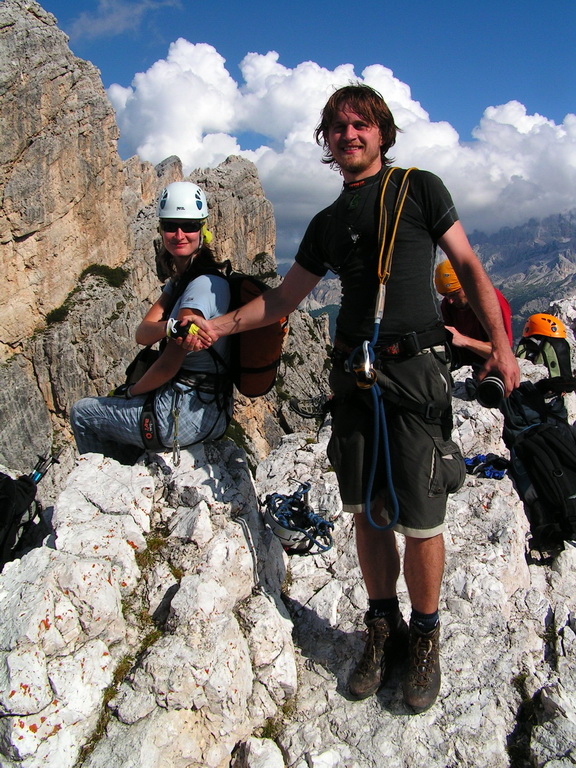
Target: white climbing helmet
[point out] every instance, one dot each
(293, 521)
(182, 200)
(292, 538)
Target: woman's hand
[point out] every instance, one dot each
(195, 335)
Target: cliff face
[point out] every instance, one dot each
(533, 264)
(69, 203)
(61, 178)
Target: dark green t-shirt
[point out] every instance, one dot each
(343, 238)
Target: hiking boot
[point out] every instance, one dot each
(387, 640)
(422, 682)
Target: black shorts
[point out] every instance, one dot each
(426, 464)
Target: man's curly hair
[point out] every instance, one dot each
(366, 102)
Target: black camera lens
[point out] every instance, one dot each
(490, 392)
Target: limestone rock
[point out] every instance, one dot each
(161, 585)
(170, 573)
(241, 215)
(60, 175)
(26, 421)
(258, 753)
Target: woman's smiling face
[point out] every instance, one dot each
(181, 244)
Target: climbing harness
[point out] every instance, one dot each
(361, 359)
(149, 424)
(299, 528)
(176, 408)
(213, 385)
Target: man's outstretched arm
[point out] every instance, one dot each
(265, 309)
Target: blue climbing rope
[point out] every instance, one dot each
(365, 375)
(380, 431)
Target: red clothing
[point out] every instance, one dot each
(466, 322)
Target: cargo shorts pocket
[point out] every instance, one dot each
(448, 470)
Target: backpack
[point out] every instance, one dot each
(543, 458)
(255, 355)
(21, 522)
(16, 499)
(550, 351)
(548, 453)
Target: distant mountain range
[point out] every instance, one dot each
(532, 264)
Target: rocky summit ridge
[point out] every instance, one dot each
(162, 625)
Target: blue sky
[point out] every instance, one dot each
(481, 89)
(457, 57)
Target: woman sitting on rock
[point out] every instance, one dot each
(193, 395)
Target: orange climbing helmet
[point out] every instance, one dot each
(445, 278)
(544, 325)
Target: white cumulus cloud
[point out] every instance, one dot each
(183, 105)
(517, 166)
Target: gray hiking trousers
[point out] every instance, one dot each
(106, 424)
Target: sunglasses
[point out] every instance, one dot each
(187, 225)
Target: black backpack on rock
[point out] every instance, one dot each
(22, 526)
(543, 458)
(16, 499)
(548, 452)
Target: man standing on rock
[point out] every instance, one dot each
(410, 367)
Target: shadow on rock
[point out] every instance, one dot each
(330, 651)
